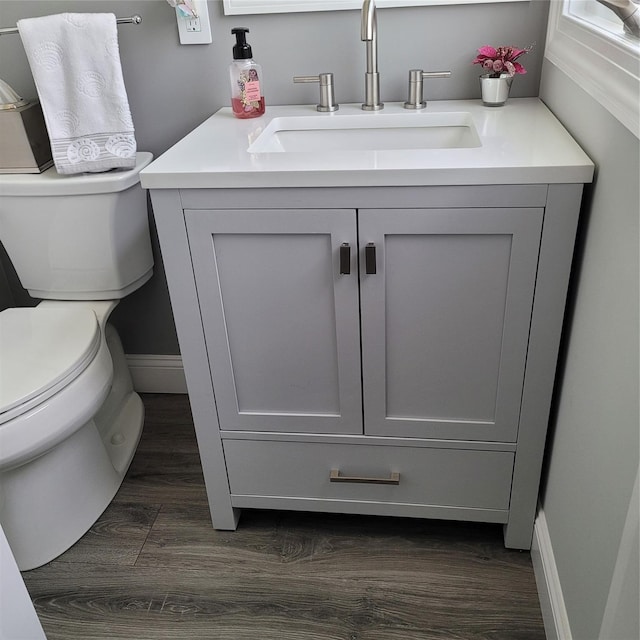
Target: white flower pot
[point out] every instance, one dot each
(495, 91)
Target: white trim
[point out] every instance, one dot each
(157, 374)
(237, 7)
(606, 66)
(554, 612)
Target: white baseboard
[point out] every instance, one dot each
(554, 612)
(157, 374)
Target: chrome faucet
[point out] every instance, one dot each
(369, 35)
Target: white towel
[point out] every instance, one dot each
(75, 61)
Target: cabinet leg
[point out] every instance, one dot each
(225, 519)
(518, 536)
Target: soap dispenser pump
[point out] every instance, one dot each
(247, 99)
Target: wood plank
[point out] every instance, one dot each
(166, 409)
(167, 477)
(169, 603)
(183, 531)
(166, 467)
(117, 537)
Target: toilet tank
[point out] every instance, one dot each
(81, 237)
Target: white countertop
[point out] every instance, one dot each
(521, 143)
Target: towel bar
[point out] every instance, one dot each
(130, 20)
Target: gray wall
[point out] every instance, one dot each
(593, 458)
(172, 88)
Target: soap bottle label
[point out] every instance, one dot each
(249, 102)
(252, 91)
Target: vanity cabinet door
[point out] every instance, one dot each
(280, 319)
(445, 320)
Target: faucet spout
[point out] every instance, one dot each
(369, 34)
(369, 23)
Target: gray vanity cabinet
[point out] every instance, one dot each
(445, 298)
(365, 357)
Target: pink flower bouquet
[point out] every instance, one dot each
(501, 60)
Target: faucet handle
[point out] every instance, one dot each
(416, 76)
(327, 97)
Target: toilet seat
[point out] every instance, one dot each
(42, 350)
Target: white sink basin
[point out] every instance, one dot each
(367, 132)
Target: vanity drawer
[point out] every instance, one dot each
(462, 478)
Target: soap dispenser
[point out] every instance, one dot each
(247, 99)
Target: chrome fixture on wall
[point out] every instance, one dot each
(130, 20)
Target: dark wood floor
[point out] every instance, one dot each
(153, 568)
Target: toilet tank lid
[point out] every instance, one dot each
(51, 183)
(41, 348)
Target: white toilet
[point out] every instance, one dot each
(70, 421)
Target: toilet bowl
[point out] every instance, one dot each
(70, 420)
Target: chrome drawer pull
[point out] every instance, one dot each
(335, 476)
